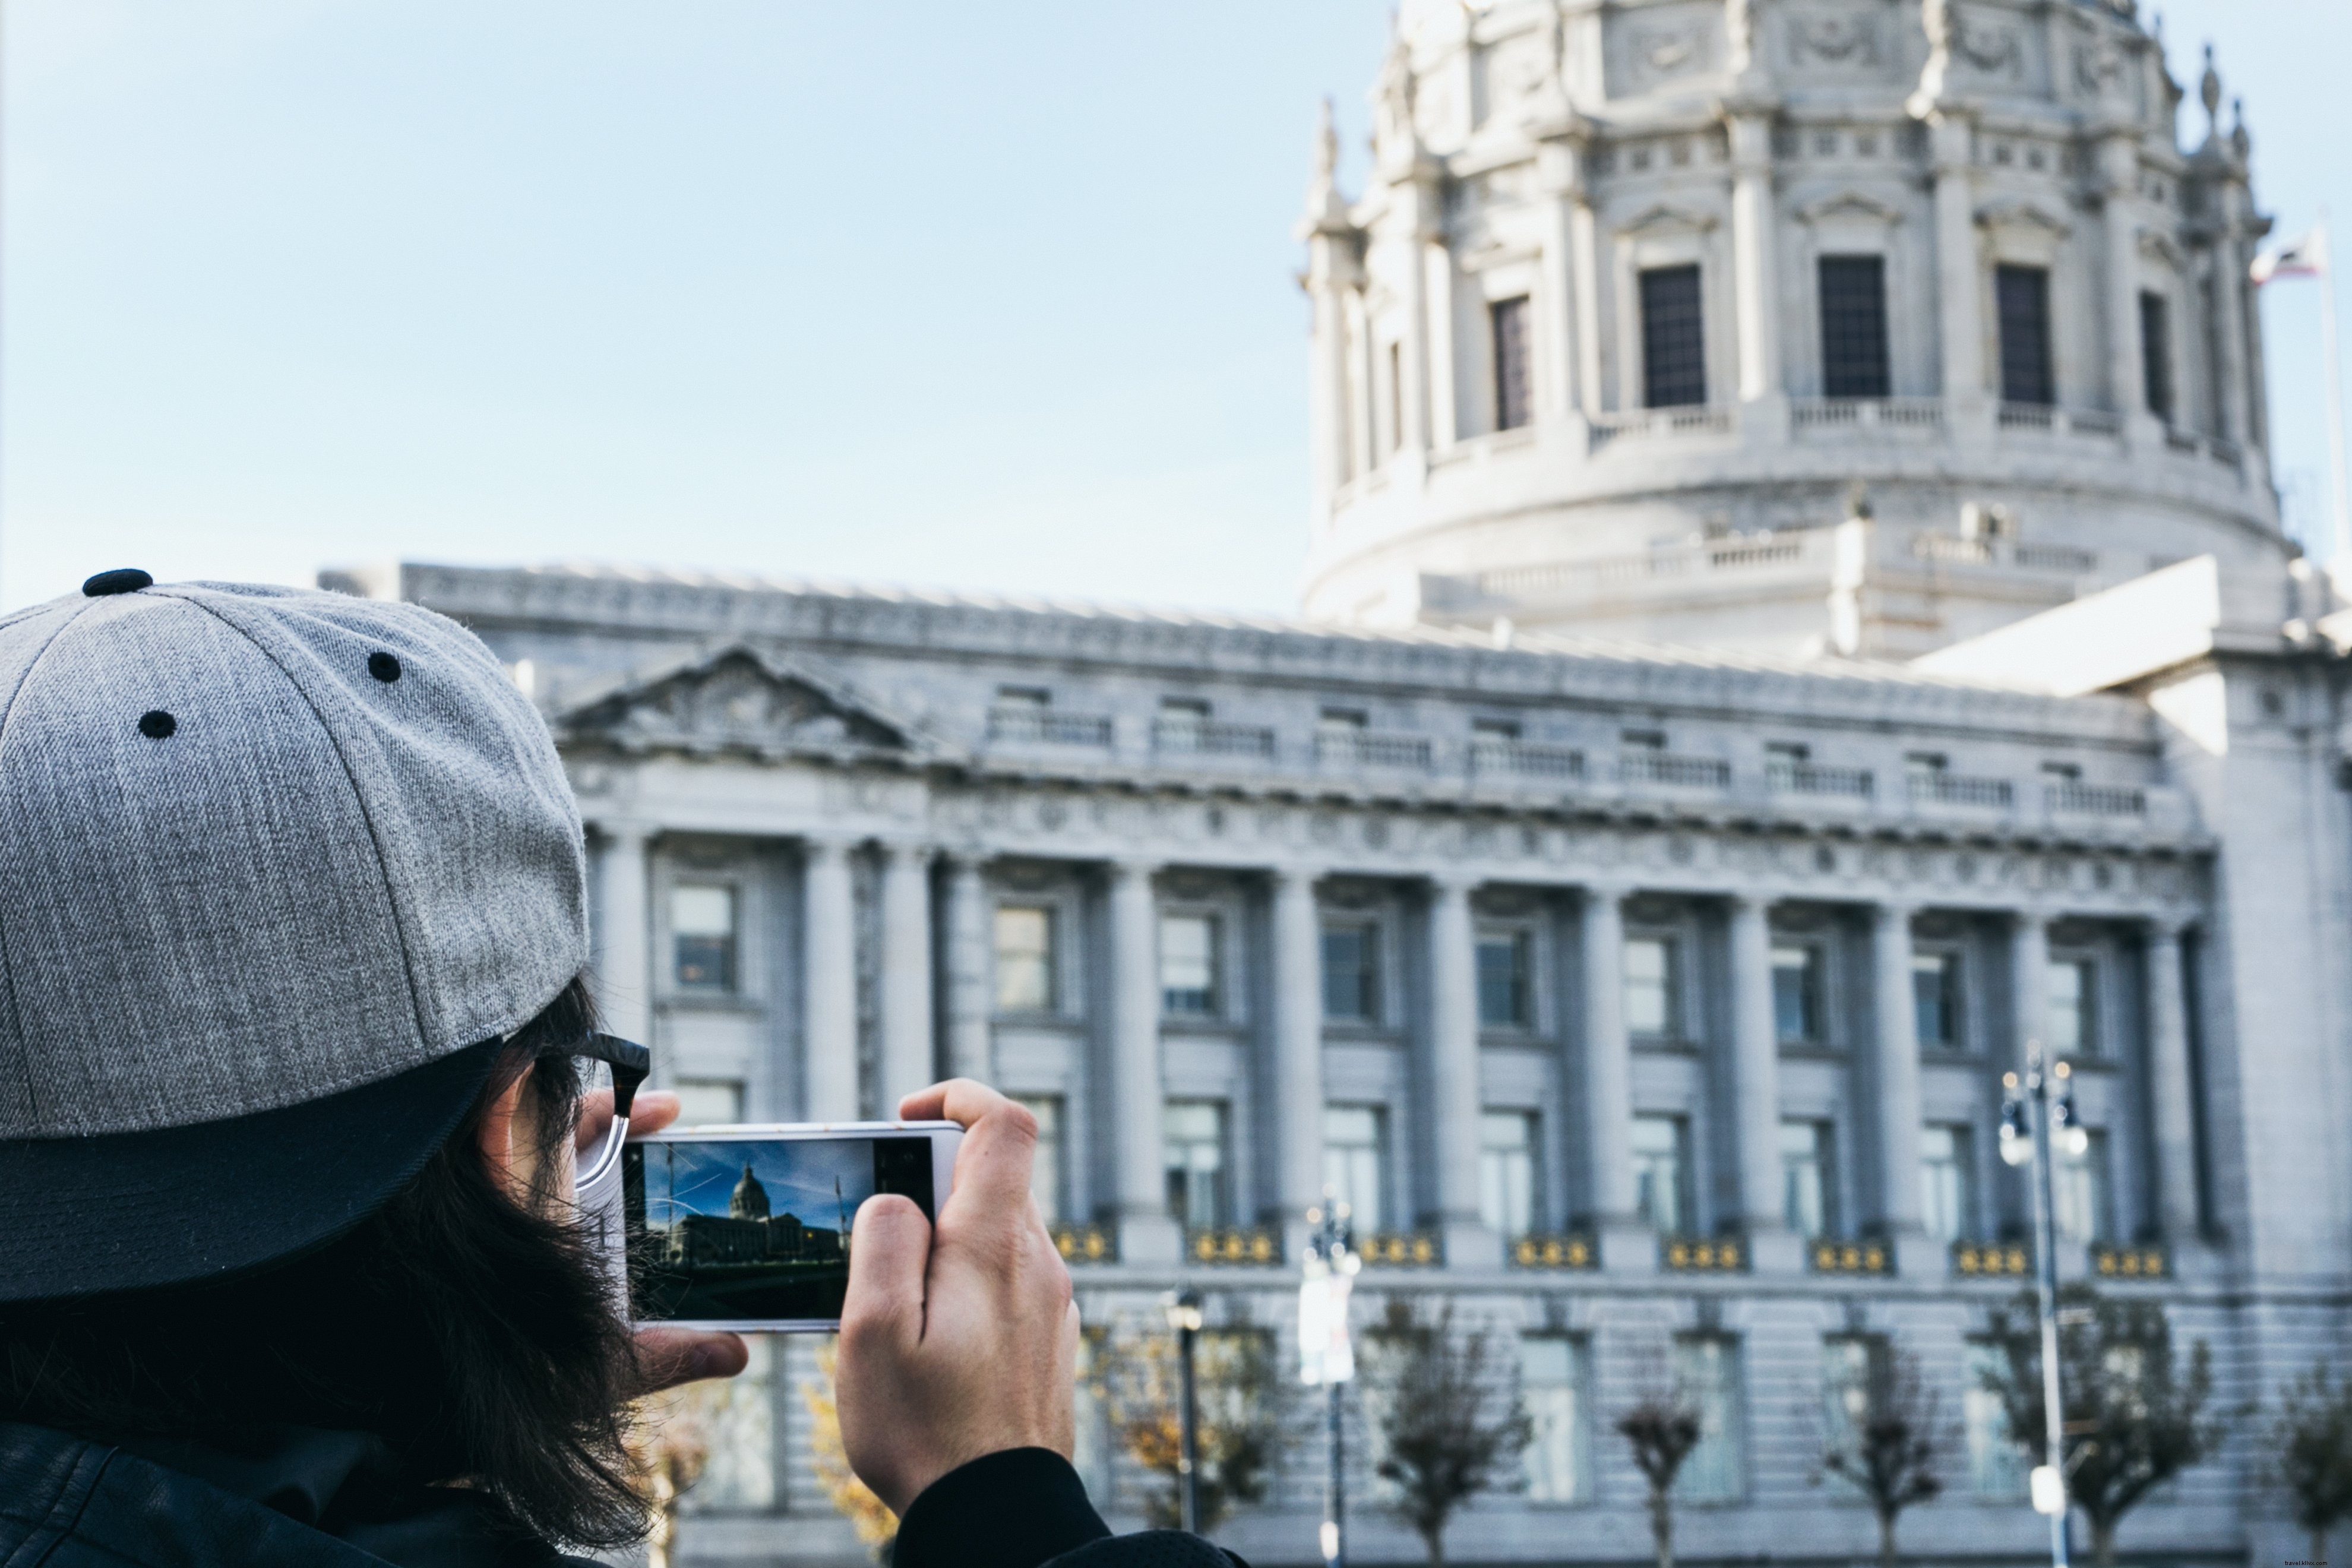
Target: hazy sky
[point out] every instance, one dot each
(799, 1174)
(991, 296)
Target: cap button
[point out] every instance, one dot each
(121, 580)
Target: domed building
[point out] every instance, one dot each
(1796, 619)
(748, 1200)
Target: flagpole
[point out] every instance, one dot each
(2340, 550)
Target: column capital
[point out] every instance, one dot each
(2168, 928)
(2031, 917)
(623, 830)
(1597, 891)
(1451, 881)
(1892, 910)
(919, 851)
(1129, 868)
(1287, 874)
(1759, 901)
(825, 846)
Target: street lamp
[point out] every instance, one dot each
(1184, 1308)
(2035, 1123)
(1325, 1357)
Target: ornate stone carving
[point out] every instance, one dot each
(1992, 50)
(1837, 39)
(739, 700)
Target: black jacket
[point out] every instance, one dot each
(333, 1500)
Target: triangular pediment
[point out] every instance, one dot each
(744, 701)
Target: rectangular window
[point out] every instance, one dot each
(1651, 982)
(1024, 699)
(1936, 998)
(1661, 1173)
(1783, 761)
(1674, 338)
(1356, 1162)
(1797, 995)
(1852, 1370)
(1510, 318)
(1193, 1132)
(1503, 962)
(2084, 1207)
(1049, 1171)
(1707, 1372)
(1351, 977)
(702, 928)
(2074, 1006)
(1396, 397)
(705, 1101)
(1947, 1183)
(1808, 1178)
(1188, 966)
(1025, 959)
(1181, 721)
(1507, 1187)
(1552, 1387)
(2156, 353)
(1996, 1468)
(2022, 297)
(1853, 326)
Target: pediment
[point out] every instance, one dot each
(746, 701)
(1663, 220)
(2158, 247)
(1850, 207)
(2030, 215)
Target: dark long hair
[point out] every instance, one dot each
(468, 1331)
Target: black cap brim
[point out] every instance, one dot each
(136, 1211)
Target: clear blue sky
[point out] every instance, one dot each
(991, 296)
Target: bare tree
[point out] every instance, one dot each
(1239, 1392)
(1662, 1428)
(1449, 1427)
(2133, 1417)
(1891, 1443)
(2311, 1455)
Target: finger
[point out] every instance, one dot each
(993, 1165)
(889, 1254)
(667, 1357)
(652, 1109)
(960, 1099)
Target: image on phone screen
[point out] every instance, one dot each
(744, 1229)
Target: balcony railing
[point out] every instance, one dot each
(1226, 1247)
(1959, 550)
(1811, 778)
(2060, 421)
(1702, 1254)
(1991, 1260)
(1833, 1257)
(1867, 414)
(1043, 727)
(1364, 748)
(2147, 1262)
(1667, 768)
(1209, 738)
(1957, 789)
(2098, 800)
(1649, 423)
(1402, 1249)
(1571, 1250)
(1496, 755)
(1084, 1243)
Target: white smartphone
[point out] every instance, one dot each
(746, 1226)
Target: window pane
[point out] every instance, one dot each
(703, 1101)
(1853, 326)
(1660, 1190)
(1506, 1172)
(1355, 1162)
(1934, 989)
(1795, 990)
(2073, 991)
(1048, 1175)
(1996, 1468)
(1503, 981)
(1351, 978)
(1193, 1132)
(1946, 1182)
(1188, 966)
(702, 925)
(1510, 325)
(1846, 1373)
(1674, 340)
(1806, 1178)
(2156, 353)
(1025, 959)
(2082, 1198)
(1650, 987)
(2023, 294)
(1707, 1370)
(1551, 1382)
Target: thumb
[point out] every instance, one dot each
(889, 1255)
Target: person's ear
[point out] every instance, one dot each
(505, 1142)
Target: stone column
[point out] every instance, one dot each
(624, 932)
(1297, 1100)
(2234, 416)
(1608, 1083)
(828, 984)
(908, 1062)
(971, 1047)
(2171, 1088)
(1755, 292)
(1584, 232)
(2029, 981)
(1898, 1074)
(1756, 1087)
(1147, 1234)
(1960, 319)
(1454, 1095)
(2127, 376)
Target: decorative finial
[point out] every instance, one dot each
(2157, 21)
(2240, 142)
(1327, 146)
(2209, 91)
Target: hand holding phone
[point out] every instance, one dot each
(959, 1339)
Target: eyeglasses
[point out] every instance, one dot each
(630, 1062)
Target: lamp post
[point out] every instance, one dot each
(1184, 1308)
(1325, 1357)
(2034, 1119)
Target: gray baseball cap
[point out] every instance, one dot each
(277, 869)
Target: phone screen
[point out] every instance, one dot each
(756, 1230)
